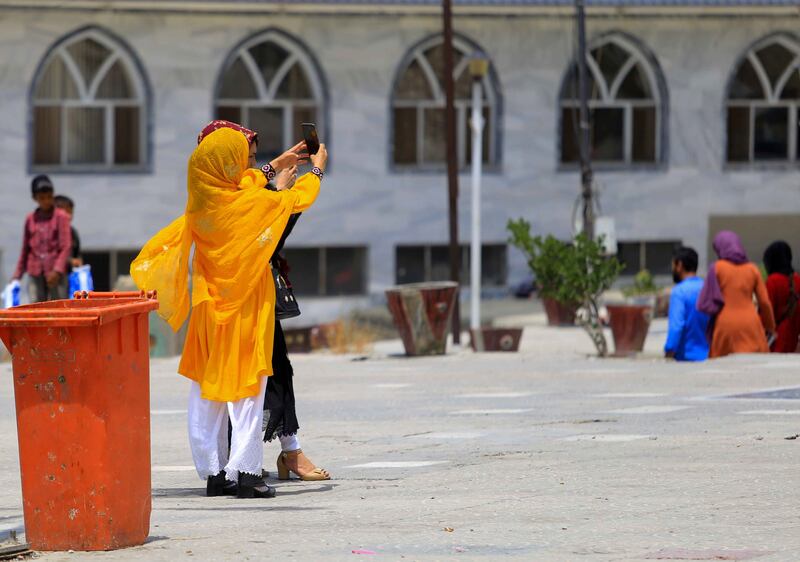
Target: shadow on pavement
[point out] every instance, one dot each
(178, 492)
(201, 492)
(155, 538)
(261, 505)
(296, 491)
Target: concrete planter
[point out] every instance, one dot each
(629, 324)
(298, 340)
(558, 313)
(421, 313)
(164, 342)
(662, 304)
(325, 336)
(495, 339)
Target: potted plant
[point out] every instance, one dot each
(589, 272)
(578, 275)
(643, 290)
(544, 256)
(630, 320)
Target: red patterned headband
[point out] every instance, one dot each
(251, 136)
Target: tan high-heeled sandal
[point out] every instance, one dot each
(283, 470)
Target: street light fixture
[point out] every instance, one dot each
(478, 69)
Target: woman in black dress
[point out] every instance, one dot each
(280, 417)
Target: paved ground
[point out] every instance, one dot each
(543, 455)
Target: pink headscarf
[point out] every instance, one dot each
(728, 247)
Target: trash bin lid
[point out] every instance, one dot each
(74, 313)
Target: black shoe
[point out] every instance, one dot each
(252, 486)
(218, 485)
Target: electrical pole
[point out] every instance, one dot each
(452, 162)
(584, 128)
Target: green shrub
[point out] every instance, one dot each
(643, 284)
(545, 258)
(574, 273)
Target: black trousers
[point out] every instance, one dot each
(280, 417)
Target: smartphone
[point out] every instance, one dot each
(311, 138)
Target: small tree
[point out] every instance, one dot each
(589, 274)
(544, 255)
(576, 273)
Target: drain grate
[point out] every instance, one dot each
(780, 394)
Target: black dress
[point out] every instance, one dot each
(280, 417)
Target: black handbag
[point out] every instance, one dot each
(285, 304)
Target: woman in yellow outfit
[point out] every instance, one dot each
(234, 225)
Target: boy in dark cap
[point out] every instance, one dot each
(46, 245)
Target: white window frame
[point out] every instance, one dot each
(87, 100)
(265, 93)
(771, 100)
(608, 100)
(462, 106)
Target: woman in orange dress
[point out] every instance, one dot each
(727, 296)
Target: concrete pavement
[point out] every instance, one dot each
(548, 454)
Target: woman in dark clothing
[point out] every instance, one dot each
(280, 417)
(783, 286)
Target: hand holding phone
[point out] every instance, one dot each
(320, 159)
(295, 156)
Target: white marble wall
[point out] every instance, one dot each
(362, 201)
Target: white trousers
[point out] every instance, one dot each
(208, 434)
(289, 443)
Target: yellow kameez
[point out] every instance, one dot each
(234, 225)
(228, 360)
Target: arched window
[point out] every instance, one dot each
(626, 105)
(271, 84)
(762, 102)
(89, 107)
(418, 107)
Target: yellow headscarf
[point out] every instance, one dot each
(234, 224)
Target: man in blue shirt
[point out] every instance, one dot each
(686, 337)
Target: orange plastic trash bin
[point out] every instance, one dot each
(82, 392)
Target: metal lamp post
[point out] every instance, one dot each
(452, 159)
(585, 126)
(478, 67)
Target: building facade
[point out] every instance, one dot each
(694, 107)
